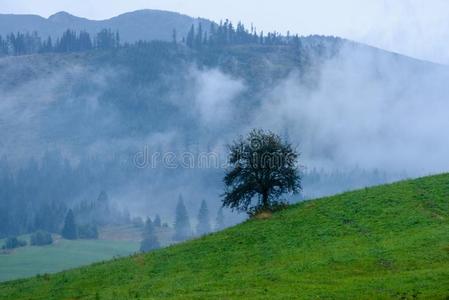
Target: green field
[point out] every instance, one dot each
(387, 242)
(63, 255)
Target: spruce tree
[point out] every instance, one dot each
(157, 222)
(219, 221)
(150, 240)
(190, 41)
(182, 222)
(199, 37)
(69, 232)
(175, 37)
(203, 220)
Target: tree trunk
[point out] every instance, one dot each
(265, 202)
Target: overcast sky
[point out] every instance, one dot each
(419, 28)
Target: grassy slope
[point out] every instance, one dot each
(375, 243)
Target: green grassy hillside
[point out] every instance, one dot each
(383, 242)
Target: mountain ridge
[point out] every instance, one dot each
(133, 26)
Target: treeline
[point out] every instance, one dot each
(51, 195)
(182, 226)
(70, 41)
(198, 37)
(226, 33)
(38, 195)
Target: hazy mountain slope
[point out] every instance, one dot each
(139, 25)
(383, 242)
(339, 102)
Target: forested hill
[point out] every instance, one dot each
(144, 25)
(87, 114)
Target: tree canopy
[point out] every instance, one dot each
(183, 230)
(263, 167)
(203, 226)
(69, 231)
(150, 240)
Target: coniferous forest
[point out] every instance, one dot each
(32, 204)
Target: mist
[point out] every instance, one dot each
(367, 110)
(361, 109)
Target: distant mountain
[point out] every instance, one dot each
(133, 26)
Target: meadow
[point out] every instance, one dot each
(386, 242)
(32, 260)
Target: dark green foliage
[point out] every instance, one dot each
(263, 168)
(106, 39)
(226, 34)
(88, 232)
(69, 231)
(203, 226)
(41, 238)
(183, 231)
(13, 243)
(150, 241)
(70, 41)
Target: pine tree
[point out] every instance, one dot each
(199, 37)
(203, 220)
(157, 222)
(219, 221)
(117, 39)
(84, 41)
(190, 41)
(150, 240)
(69, 232)
(175, 37)
(182, 222)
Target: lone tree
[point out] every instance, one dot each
(262, 169)
(183, 231)
(69, 232)
(203, 226)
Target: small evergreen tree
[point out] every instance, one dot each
(13, 242)
(182, 222)
(203, 220)
(157, 222)
(175, 37)
(190, 41)
(219, 221)
(69, 231)
(199, 37)
(150, 240)
(41, 238)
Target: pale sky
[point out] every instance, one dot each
(418, 28)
